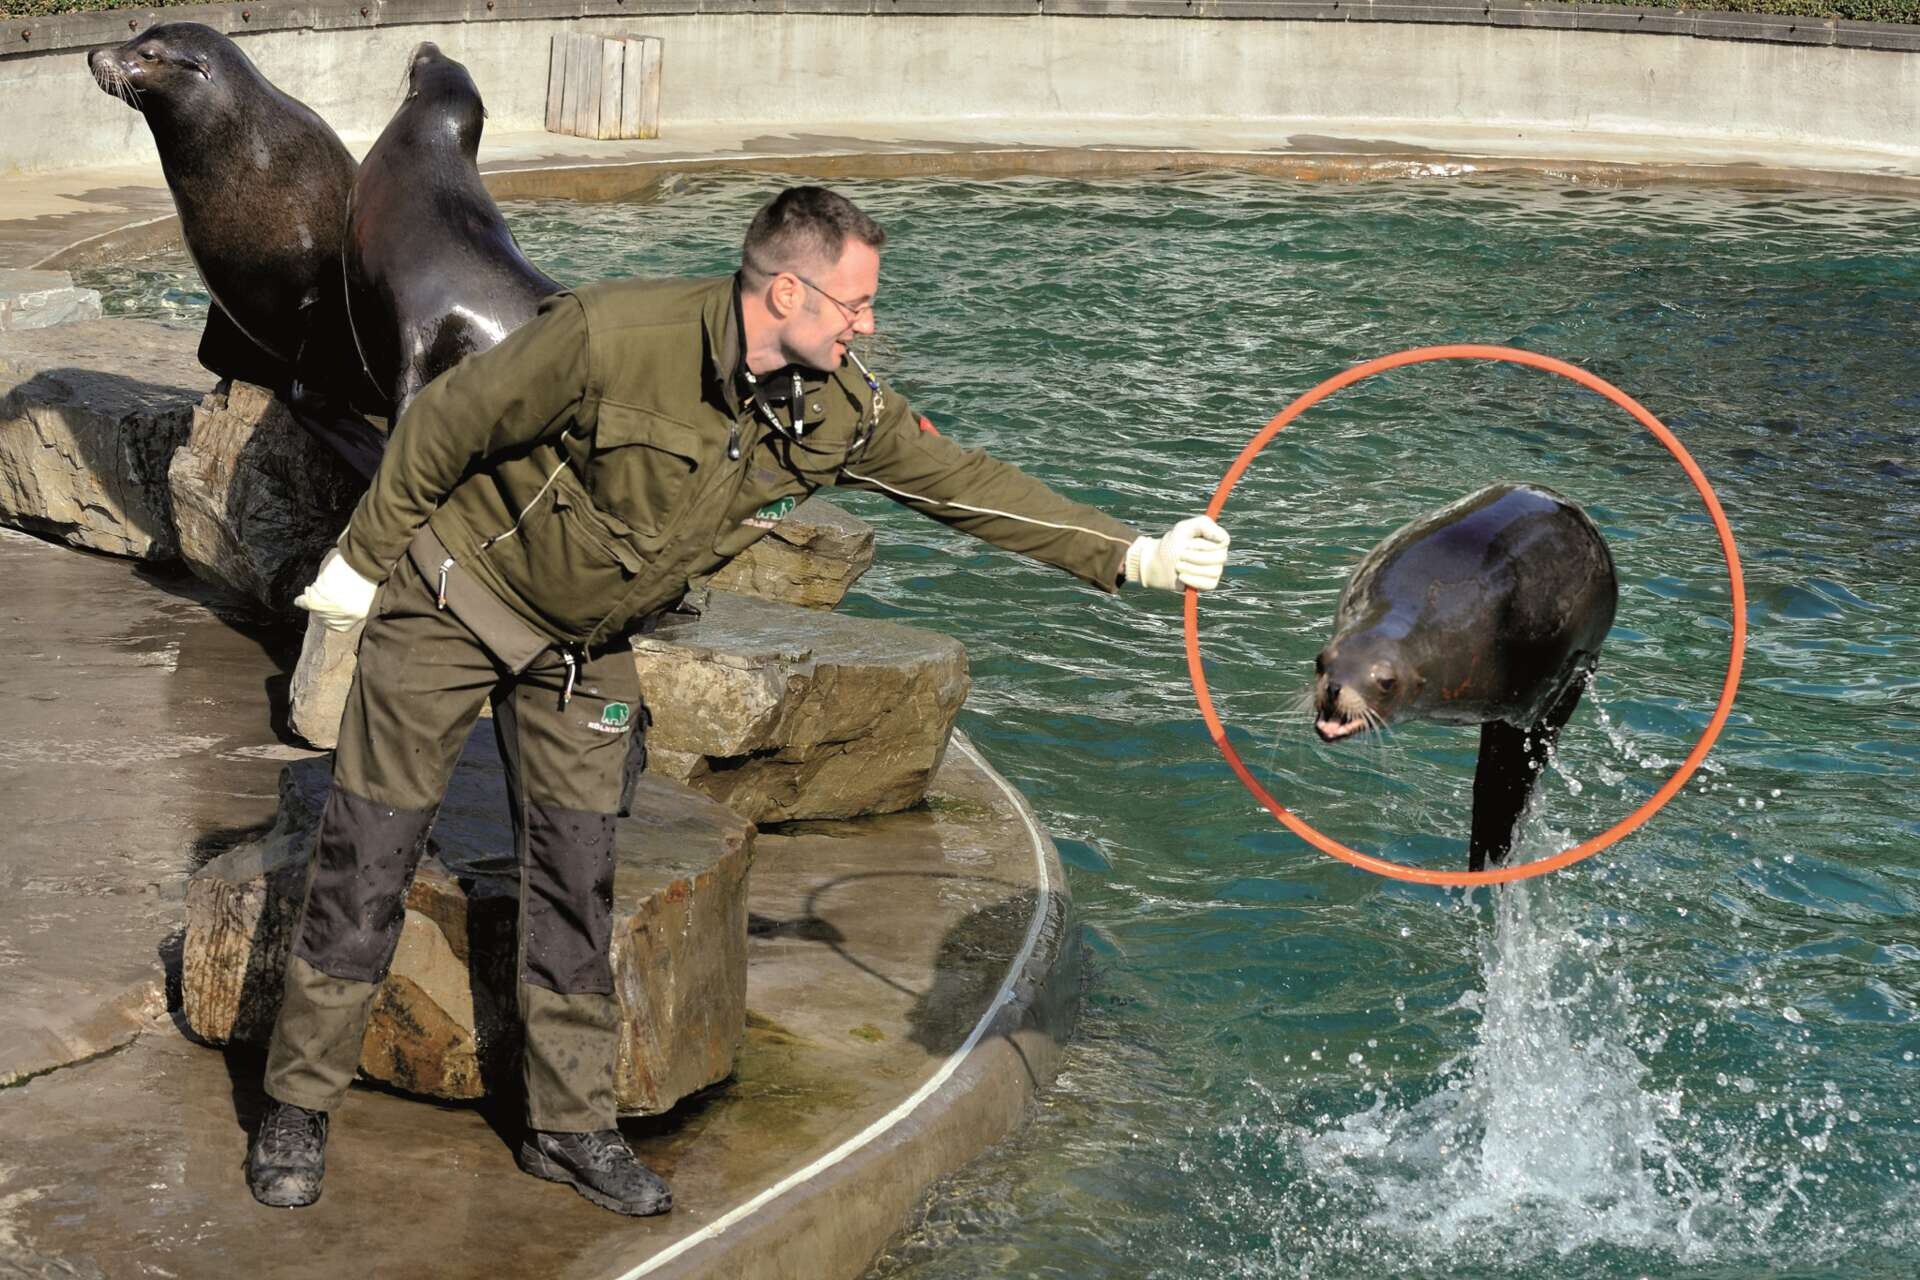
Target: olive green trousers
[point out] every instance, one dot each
(570, 753)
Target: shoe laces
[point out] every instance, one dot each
(605, 1150)
(291, 1123)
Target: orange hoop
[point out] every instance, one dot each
(1586, 848)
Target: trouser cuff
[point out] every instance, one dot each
(571, 1045)
(315, 1049)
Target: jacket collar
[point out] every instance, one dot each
(726, 358)
(725, 355)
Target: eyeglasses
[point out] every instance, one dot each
(853, 313)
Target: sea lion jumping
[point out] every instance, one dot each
(261, 186)
(1489, 611)
(433, 273)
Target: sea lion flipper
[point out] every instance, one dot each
(1510, 762)
(228, 352)
(345, 432)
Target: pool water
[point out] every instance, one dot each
(1695, 1054)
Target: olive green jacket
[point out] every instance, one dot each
(580, 469)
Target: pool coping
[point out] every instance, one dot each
(833, 1216)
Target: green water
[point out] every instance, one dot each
(1696, 1054)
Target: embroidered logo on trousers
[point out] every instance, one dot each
(770, 515)
(614, 718)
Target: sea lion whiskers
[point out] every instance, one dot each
(113, 77)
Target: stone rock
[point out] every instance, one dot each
(317, 693)
(444, 1021)
(84, 449)
(42, 299)
(811, 558)
(256, 499)
(783, 713)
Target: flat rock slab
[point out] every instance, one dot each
(135, 740)
(782, 713)
(91, 415)
(778, 712)
(811, 558)
(444, 1023)
(42, 299)
(878, 947)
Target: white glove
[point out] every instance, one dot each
(338, 595)
(1191, 554)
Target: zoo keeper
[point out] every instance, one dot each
(536, 506)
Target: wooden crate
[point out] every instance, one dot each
(604, 86)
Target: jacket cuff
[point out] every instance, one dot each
(368, 566)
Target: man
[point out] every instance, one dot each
(536, 505)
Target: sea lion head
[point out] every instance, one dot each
(1360, 681)
(442, 86)
(162, 67)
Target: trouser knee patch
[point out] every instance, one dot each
(569, 900)
(364, 860)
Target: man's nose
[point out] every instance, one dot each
(863, 321)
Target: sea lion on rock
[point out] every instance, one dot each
(433, 273)
(1490, 611)
(261, 186)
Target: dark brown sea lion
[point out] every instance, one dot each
(433, 273)
(1490, 611)
(261, 186)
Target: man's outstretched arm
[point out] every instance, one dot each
(996, 501)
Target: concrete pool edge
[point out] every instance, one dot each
(833, 1216)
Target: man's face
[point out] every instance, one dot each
(832, 305)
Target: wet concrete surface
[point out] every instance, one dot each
(876, 945)
(135, 740)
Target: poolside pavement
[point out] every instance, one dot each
(908, 979)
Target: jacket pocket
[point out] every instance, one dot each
(578, 563)
(643, 467)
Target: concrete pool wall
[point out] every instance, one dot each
(784, 66)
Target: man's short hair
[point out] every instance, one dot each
(805, 229)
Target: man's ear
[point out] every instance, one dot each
(785, 293)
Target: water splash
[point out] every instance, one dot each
(1543, 1136)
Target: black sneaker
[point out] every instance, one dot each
(288, 1156)
(600, 1166)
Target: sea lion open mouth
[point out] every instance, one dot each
(1331, 729)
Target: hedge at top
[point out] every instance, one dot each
(1907, 11)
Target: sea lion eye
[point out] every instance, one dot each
(1386, 683)
(148, 55)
